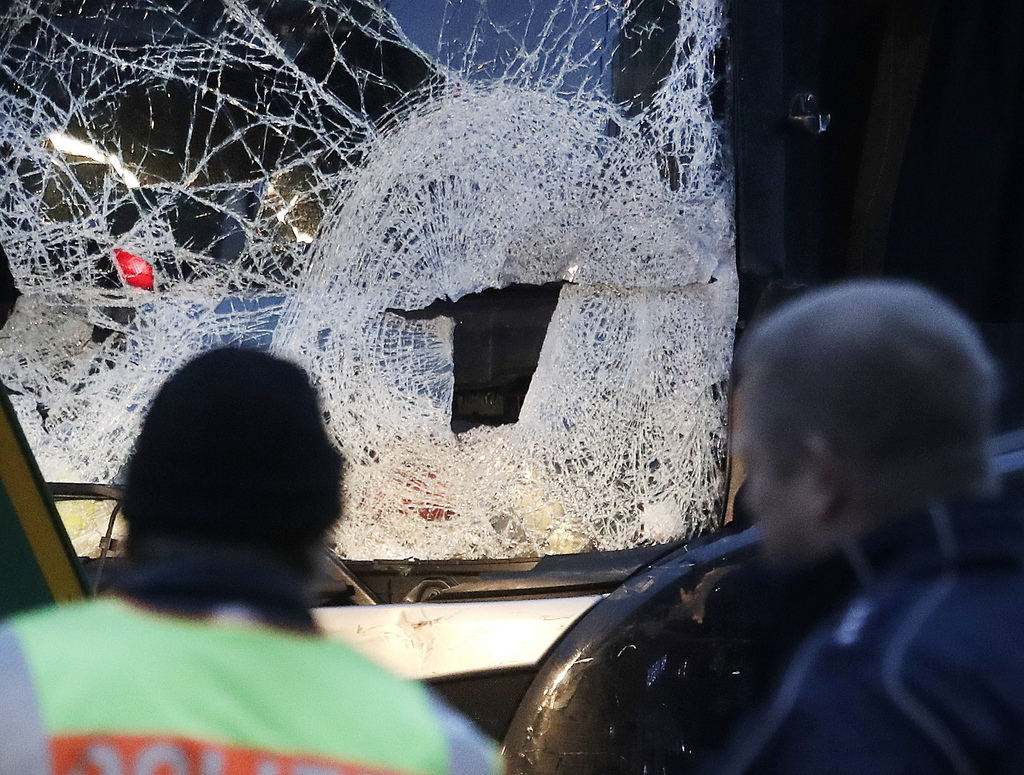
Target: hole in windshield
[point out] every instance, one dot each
(499, 333)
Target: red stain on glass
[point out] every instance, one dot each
(421, 494)
(135, 271)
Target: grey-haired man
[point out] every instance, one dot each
(866, 411)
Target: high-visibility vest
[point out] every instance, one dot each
(106, 688)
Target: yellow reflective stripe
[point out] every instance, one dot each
(35, 513)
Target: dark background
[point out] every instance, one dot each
(919, 173)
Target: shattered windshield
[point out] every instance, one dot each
(353, 184)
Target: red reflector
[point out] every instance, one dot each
(135, 271)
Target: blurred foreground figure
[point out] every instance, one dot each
(866, 411)
(209, 662)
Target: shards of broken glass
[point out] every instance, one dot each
(296, 174)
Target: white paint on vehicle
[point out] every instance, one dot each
(429, 640)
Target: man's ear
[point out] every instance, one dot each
(826, 481)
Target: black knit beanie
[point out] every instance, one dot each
(234, 450)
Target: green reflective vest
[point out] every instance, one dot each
(105, 688)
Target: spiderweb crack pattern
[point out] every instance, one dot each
(293, 169)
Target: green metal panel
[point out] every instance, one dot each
(37, 562)
(22, 584)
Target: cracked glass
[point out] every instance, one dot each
(306, 176)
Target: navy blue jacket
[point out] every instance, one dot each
(922, 669)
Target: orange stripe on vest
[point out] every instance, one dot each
(106, 754)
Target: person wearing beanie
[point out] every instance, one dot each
(234, 450)
(206, 660)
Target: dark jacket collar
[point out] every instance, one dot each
(208, 583)
(961, 535)
(782, 608)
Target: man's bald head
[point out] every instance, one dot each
(887, 376)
